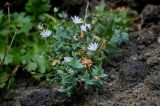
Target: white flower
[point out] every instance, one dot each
(46, 33)
(40, 26)
(67, 59)
(93, 46)
(88, 26)
(55, 9)
(83, 28)
(76, 20)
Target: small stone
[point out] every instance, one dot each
(158, 40)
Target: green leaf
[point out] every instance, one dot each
(42, 63)
(31, 66)
(2, 85)
(3, 76)
(21, 21)
(120, 38)
(16, 55)
(37, 7)
(1, 15)
(37, 76)
(111, 48)
(86, 78)
(100, 8)
(105, 28)
(42, 70)
(76, 64)
(98, 71)
(8, 58)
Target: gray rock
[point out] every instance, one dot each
(153, 82)
(34, 97)
(133, 72)
(150, 15)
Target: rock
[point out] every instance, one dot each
(151, 55)
(135, 4)
(150, 16)
(119, 3)
(133, 72)
(140, 4)
(145, 38)
(153, 81)
(34, 97)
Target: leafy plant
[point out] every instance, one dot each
(112, 25)
(18, 48)
(67, 53)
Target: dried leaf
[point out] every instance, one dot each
(120, 9)
(86, 62)
(54, 62)
(96, 77)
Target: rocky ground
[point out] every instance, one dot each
(133, 78)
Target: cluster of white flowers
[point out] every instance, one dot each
(76, 20)
(44, 32)
(83, 27)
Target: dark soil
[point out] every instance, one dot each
(133, 78)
